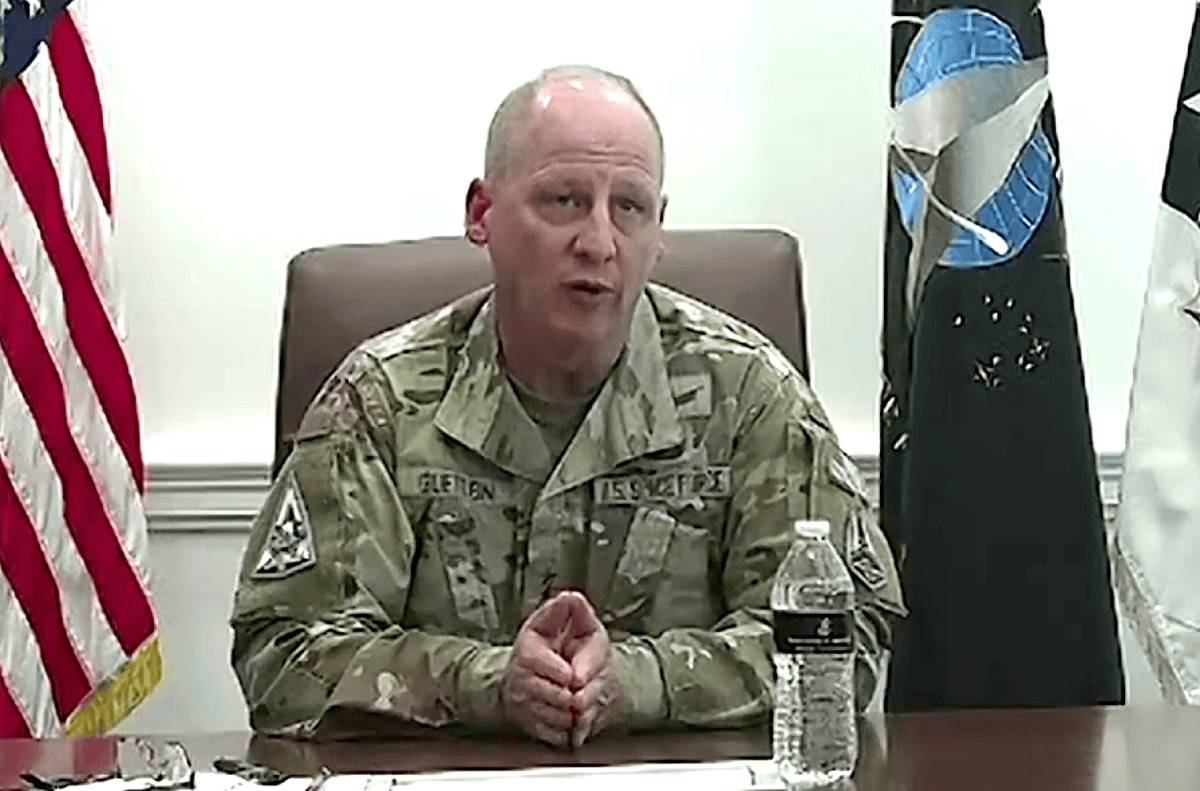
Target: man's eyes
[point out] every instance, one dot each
(564, 200)
(631, 205)
(569, 203)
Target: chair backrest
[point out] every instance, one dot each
(339, 296)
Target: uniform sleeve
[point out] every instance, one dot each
(324, 584)
(786, 465)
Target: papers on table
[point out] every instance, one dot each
(715, 776)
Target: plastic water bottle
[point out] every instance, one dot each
(815, 738)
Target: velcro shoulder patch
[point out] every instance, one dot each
(864, 563)
(289, 547)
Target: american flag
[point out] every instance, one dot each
(78, 636)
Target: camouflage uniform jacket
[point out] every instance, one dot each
(420, 518)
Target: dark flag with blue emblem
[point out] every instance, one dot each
(989, 488)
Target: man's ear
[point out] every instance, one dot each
(478, 202)
(662, 215)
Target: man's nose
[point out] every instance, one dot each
(596, 239)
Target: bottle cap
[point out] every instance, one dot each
(811, 528)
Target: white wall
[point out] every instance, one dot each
(242, 136)
(192, 586)
(1115, 70)
(285, 125)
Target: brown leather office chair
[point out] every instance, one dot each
(339, 296)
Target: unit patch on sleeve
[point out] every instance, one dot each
(289, 547)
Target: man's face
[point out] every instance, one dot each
(573, 224)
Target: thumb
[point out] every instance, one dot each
(552, 618)
(583, 620)
(592, 656)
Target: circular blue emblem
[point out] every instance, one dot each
(950, 42)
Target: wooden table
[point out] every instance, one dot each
(1095, 749)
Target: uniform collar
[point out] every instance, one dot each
(633, 414)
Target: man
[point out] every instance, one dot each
(558, 503)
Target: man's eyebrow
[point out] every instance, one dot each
(635, 184)
(570, 179)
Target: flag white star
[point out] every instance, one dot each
(5, 5)
(35, 6)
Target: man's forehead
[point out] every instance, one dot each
(582, 114)
(636, 176)
(588, 101)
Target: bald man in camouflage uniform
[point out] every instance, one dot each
(455, 542)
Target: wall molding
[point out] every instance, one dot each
(204, 498)
(224, 498)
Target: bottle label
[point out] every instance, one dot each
(813, 632)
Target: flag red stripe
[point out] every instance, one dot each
(81, 99)
(33, 583)
(12, 720)
(121, 595)
(92, 332)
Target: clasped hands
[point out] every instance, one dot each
(561, 685)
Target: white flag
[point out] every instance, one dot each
(1157, 558)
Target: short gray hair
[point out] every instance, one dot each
(516, 106)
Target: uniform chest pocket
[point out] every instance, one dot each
(465, 528)
(453, 561)
(662, 576)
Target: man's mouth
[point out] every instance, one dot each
(589, 287)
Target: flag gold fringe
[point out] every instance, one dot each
(117, 696)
